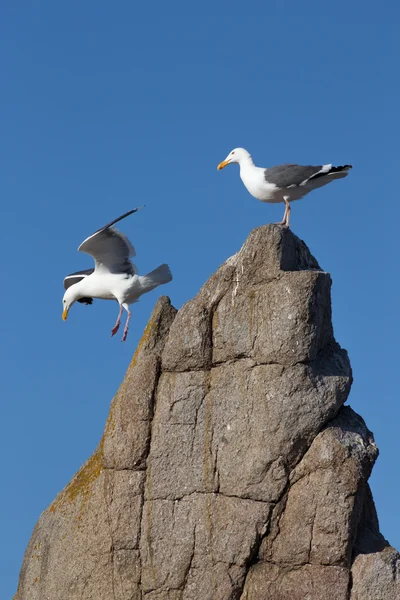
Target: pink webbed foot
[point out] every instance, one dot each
(114, 329)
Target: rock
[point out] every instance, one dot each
(376, 566)
(376, 575)
(229, 468)
(86, 544)
(267, 581)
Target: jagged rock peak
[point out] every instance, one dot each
(228, 468)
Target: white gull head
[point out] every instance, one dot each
(70, 297)
(237, 155)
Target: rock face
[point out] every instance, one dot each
(229, 468)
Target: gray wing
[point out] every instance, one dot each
(74, 278)
(110, 248)
(288, 175)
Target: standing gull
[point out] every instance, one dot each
(284, 183)
(114, 276)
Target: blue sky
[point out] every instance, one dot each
(105, 107)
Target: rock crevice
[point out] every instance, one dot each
(229, 468)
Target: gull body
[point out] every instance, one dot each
(114, 276)
(111, 286)
(283, 183)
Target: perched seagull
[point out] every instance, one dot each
(284, 183)
(114, 276)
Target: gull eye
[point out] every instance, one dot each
(233, 152)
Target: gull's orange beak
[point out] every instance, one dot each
(65, 314)
(223, 164)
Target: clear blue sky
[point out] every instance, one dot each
(106, 106)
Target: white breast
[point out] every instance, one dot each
(107, 286)
(254, 180)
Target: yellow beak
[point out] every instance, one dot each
(223, 164)
(65, 314)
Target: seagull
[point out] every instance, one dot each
(114, 276)
(283, 183)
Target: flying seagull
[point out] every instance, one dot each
(114, 276)
(283, 183)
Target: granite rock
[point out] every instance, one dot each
(229, 468)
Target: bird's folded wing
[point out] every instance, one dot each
(285, 176)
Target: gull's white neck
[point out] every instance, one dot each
(246, 163)
(248, 169)
(253, 178)
(80, 287)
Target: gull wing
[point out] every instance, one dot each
(74, 278)
(292, 175)
(110, 248)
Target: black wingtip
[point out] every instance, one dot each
(341, 168)
(130, 212)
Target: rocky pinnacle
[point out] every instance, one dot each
(229, 468)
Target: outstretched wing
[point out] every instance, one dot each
(110, 248)
(74, 278)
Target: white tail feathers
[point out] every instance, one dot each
(157, 277)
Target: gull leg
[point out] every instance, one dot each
(127, 323)
(283, 222)
(287, 211)
(116, 326)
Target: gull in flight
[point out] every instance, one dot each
(114, 276)
(283, 183)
